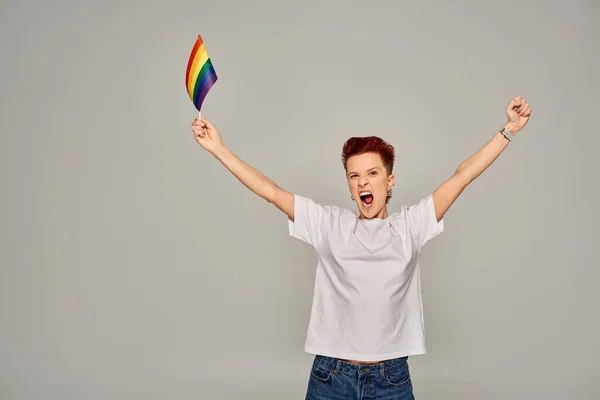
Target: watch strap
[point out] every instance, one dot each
(507, 134)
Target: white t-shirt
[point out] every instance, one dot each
(367, 296)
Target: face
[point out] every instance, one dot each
(369, 184)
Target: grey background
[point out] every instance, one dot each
(134, 266)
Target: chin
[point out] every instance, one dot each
(369, 211)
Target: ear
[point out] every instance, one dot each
(391, 181)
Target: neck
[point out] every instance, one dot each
(382, 214)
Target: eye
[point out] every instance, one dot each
(373, 173)
(353, 176)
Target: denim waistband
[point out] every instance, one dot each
(336, 365)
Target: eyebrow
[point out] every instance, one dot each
(369, 170)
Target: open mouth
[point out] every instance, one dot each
(366, 198)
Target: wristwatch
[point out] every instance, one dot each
(507, 134)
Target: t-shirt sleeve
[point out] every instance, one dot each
(423, 222)
(308, 223)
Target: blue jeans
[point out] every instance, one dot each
(334, 379)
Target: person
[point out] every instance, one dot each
(367, 315)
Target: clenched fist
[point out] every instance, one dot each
(518, 111)
(206, 134)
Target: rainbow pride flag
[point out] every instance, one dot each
(200, 75)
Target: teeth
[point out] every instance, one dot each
(364, 193)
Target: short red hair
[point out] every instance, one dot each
(369, 144)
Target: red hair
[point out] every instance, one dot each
(370, 144)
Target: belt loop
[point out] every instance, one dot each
(382, 370)
(338, 365)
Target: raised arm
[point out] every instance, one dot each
(209, 138)
(518, 112)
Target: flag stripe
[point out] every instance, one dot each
(199, 42)
(199, 60)
(200, 74)
(207, 82)
(199, 80)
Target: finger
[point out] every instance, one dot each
(525, 107)
(521, 106)
(524, 111)
(208, 124)
(514, 103)
(197, 130)
(519, 109)
(519, 99)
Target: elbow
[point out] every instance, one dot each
(462, 175)
(272, 194)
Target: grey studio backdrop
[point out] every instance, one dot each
(135, 266)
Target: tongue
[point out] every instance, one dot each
(368, 199)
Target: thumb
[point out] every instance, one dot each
(513, 103)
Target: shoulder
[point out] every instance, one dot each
(402, 212)
(420, 219)
(321, 209)
(412, 209)
(410, 214)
